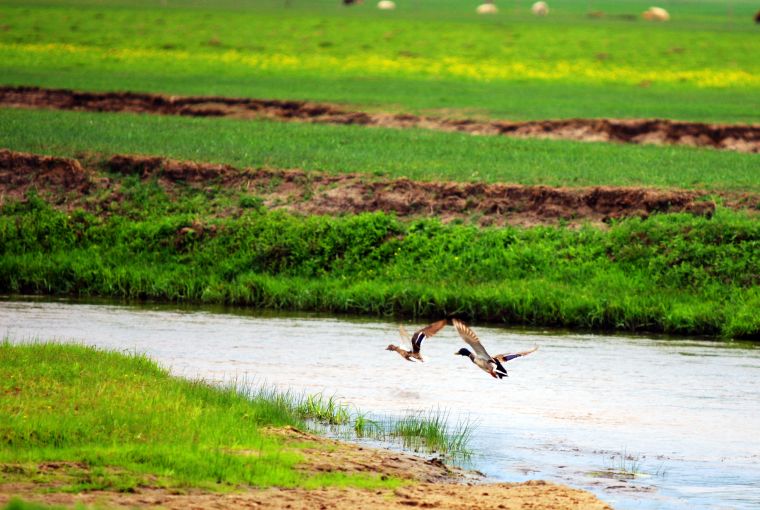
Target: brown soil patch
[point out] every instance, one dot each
(328, 455)
(431, 485)
(20, 171)
(318, 193)
(737, 137)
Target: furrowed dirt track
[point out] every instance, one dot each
(736, 137)
(92, 182)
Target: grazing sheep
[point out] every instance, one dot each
(352, 2)
(540, 9)
(386, 5)
(655, 14)
(487, 8)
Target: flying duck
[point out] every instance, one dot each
(416, 340)
(491, 364)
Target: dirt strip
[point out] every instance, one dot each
(736, 137)
(429, 484)
(72, 183)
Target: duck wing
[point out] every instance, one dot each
(405, 336)
(471, 338)
(427, 331)
(511, 356)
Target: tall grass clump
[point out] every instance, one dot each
(433, 432)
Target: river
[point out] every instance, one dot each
(684, 414)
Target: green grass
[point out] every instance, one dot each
(415, 153)
(19, 504)
(425, 56)
(672, 273)
(124, 422)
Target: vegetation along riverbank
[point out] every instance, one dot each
(151, 229)
(82, 425)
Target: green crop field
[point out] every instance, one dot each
(425, 56)
(414, 153)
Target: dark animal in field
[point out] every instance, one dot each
(416, 340)
(490, 364)
(757, 17)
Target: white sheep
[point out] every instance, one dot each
(540, 9)
(655, 14)
(386, 5)
(487, 8)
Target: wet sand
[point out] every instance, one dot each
(429, 484)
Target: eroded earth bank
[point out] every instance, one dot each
(736, 137)
(94, 183)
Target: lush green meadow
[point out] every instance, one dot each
(426, 55)
(414, 153)
(670, 273)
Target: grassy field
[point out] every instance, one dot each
(675, 273)
(416, 154)
(424, 56)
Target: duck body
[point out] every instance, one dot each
(492, 366)
(481, 358)
(416, 340)
(407, 355)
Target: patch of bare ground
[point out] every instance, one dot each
(736, 137)
(430, 485)
(72, 183)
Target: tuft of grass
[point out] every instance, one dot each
(433, 430)
(627, 466)
(324, 410)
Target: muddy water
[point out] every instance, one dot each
(685, 415)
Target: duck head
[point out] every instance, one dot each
(463, 352)
(391, 347)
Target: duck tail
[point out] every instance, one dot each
(500, 370)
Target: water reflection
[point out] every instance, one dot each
(582, 410)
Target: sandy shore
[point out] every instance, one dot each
(431, 484)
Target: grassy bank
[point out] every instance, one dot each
(414, 153)
(106, 420)
(671, 273)
(425, 56)
(122, 422)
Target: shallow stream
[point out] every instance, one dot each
(684, 415)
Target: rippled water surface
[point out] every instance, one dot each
(683, 414)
